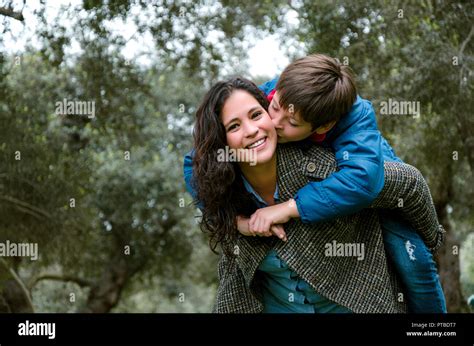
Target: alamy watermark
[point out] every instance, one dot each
(9, 249)
(37, 329)
(227, 154)
(394, 107)
(80, 108)
(335, 249)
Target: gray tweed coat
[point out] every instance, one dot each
(364, 286)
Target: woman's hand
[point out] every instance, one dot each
(263, 219)
(276, 230)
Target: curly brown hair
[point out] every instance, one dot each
(219, 186)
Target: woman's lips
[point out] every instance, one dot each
(262, 143)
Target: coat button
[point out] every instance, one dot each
(311, 167)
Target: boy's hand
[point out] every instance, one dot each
(243, 227)
(262, 220)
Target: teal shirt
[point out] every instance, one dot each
(283, 290)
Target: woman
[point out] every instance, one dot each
(308, 272)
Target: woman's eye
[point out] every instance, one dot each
(256, 114)
(232, 127)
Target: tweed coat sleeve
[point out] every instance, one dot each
(233, 294)
(406, 191)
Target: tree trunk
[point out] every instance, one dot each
(447, 258)
(13, 297)
(105, 293)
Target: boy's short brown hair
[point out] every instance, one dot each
(317, 87)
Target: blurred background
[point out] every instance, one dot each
(102, 194)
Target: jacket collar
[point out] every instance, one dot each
(313, 162)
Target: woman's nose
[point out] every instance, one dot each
(250, 130)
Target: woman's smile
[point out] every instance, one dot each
(258, 145)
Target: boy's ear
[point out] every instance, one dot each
(325, 128)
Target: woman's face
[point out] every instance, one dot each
(249, 127)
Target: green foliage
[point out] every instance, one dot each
(400, 50)
(105, 193)
(467, 274)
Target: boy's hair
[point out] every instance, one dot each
(317, 87)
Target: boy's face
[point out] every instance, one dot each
(290, 126)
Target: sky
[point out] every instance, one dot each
(265, 57)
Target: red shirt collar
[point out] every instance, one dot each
(318, 138)
(270, 96)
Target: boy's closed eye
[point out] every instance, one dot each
(293, 123)
(276, 108)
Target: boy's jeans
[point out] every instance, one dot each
(414, 264)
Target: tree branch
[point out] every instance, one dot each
(20, 283)
(461, 52)
(58, 277)
(9, 12)
(26, 207)
(290, 5)
(464, 43)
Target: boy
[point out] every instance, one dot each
(316, 99)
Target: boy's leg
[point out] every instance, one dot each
(414, 264)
